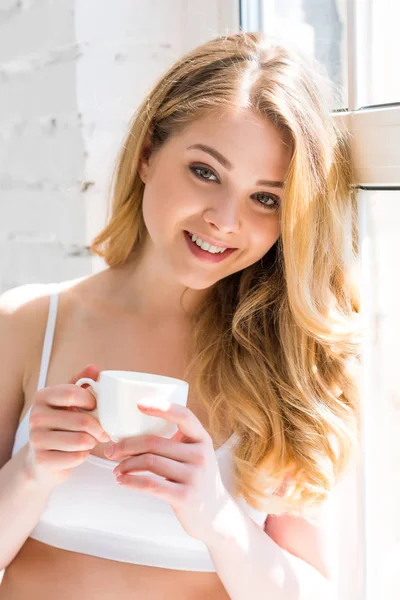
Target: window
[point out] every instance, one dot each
(318, 27)
(359, 44)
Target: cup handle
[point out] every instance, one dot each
(95, 387)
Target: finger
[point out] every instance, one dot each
(91, 371)
(159, 465)
(67, 441)
(65, 395)
(47, 417)
(57, 459)
(182, 416)
(161, 488)
(142, 444)
(178, 436)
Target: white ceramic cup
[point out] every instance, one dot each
(117, 394)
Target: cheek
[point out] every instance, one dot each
(167, 202)
(151, 211)
(159, 208)
(264, 238)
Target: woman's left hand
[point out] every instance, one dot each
(193, 485)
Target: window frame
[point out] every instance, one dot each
(374, 134)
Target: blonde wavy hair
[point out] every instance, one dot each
(274, 344)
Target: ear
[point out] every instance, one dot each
(144, 160)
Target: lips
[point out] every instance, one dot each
(209, 240)
(203, 254)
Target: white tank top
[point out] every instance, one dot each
(90, 513)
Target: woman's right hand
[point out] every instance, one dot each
(60, 436)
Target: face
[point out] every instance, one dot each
(214, 179)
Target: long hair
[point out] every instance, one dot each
(275, 344)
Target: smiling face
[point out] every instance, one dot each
(221, 179)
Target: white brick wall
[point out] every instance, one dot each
(71, 74)
(41, 150)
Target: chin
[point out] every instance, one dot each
(196, 282)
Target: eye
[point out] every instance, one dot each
(195, 170)
(205, 174)
(276, 203)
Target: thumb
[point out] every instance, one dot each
(91, 371)
(178, 436)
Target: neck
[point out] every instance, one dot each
(145, 286)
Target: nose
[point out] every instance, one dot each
(223, 216)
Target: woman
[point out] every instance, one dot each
(229, 264)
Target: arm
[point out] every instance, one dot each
(252, 565)
(248, 561)
(21, 500)
(28, 478)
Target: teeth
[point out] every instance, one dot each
(205, 245)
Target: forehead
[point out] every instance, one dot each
(248, 141)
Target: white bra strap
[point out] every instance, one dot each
(48, 340)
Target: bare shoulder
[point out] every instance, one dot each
(15, 336)
(13, 299)
(23, 316)
(26, 303)
(20, 299)
(20, 311)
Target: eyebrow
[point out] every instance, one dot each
(228, 165)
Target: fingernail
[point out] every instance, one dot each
(146, 403)
(110, 450)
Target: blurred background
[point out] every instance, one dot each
(72, 73)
